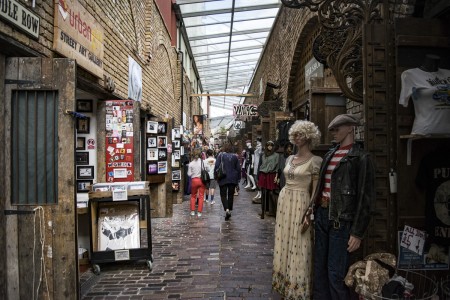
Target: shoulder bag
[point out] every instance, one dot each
(220, 172)
(204, 175)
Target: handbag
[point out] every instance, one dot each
(220, 172)
(204, 175)
(308, 216)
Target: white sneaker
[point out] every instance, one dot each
(192, 213)
(212, 202)
(247, 186)
(199, 214)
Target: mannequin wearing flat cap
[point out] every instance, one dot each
(343, 201)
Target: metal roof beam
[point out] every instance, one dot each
(212, 44)
(226, 51)
(227, 22)
(229, 10)
(225, 34)
(184, 2)
(243, 63)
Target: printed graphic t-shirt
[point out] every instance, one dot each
(430, 92)
(434, 177)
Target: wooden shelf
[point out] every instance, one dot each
(412, 137)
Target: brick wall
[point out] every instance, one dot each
(133, 29)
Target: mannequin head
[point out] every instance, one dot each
(269, 148)
(258, 142)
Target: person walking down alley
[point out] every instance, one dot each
(344, 198)
(227, 185)
(194, 171)
(211, 162)
(292, 258)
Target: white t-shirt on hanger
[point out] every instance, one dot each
(430, 92)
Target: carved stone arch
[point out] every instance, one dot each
(309, 28)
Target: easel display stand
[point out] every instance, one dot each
(115, 222)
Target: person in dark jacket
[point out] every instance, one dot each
(343, 204)
(228, 184)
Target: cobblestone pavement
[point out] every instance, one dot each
(197, 258)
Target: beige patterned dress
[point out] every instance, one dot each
(292, 261)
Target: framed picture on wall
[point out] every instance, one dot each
(151, 142)
(162, 141)
(83, 186)
(152, 127)
(162, 167)
(83, 125)
(162, 127)
(175, 186)
(152, 168)
(162, 154)
(176, 144)
(176, 175)
(82, 158)
(85, 172)
(81, 143)
(84, 106)
(152, 154)
(176, 154)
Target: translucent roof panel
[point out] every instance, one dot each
(226, 38)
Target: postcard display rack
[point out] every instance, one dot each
(117, 213)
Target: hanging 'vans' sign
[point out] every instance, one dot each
(16, 14)
(78, 35)
(246, 110)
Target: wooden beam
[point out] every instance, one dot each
(216, 95)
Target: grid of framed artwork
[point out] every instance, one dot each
(176, 156)
(157, 150)
(85, 169)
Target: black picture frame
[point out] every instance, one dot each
(81, 143)
(84, 186)
(83, 125)
(162, 154)
(82, 158)
(84, 105)
(85, 172)
(152, 168)
(162, 127)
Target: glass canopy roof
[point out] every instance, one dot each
(226, 38)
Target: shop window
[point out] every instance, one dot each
(34, 147)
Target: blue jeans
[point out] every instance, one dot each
(331, 259)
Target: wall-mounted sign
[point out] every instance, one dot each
(78, 35)
(248, 110)
(312, 69)
(16, 14)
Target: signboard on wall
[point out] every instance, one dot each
(79, 36)
(246, 110)
(119, 141)
(18, 15)
(312, 69)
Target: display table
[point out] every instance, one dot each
(115, 227)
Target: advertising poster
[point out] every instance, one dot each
(119, 141)
(434, 257)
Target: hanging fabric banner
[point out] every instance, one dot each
(119, 141)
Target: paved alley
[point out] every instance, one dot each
(197, 258)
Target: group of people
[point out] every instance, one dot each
(229, 162)
(334, 195)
